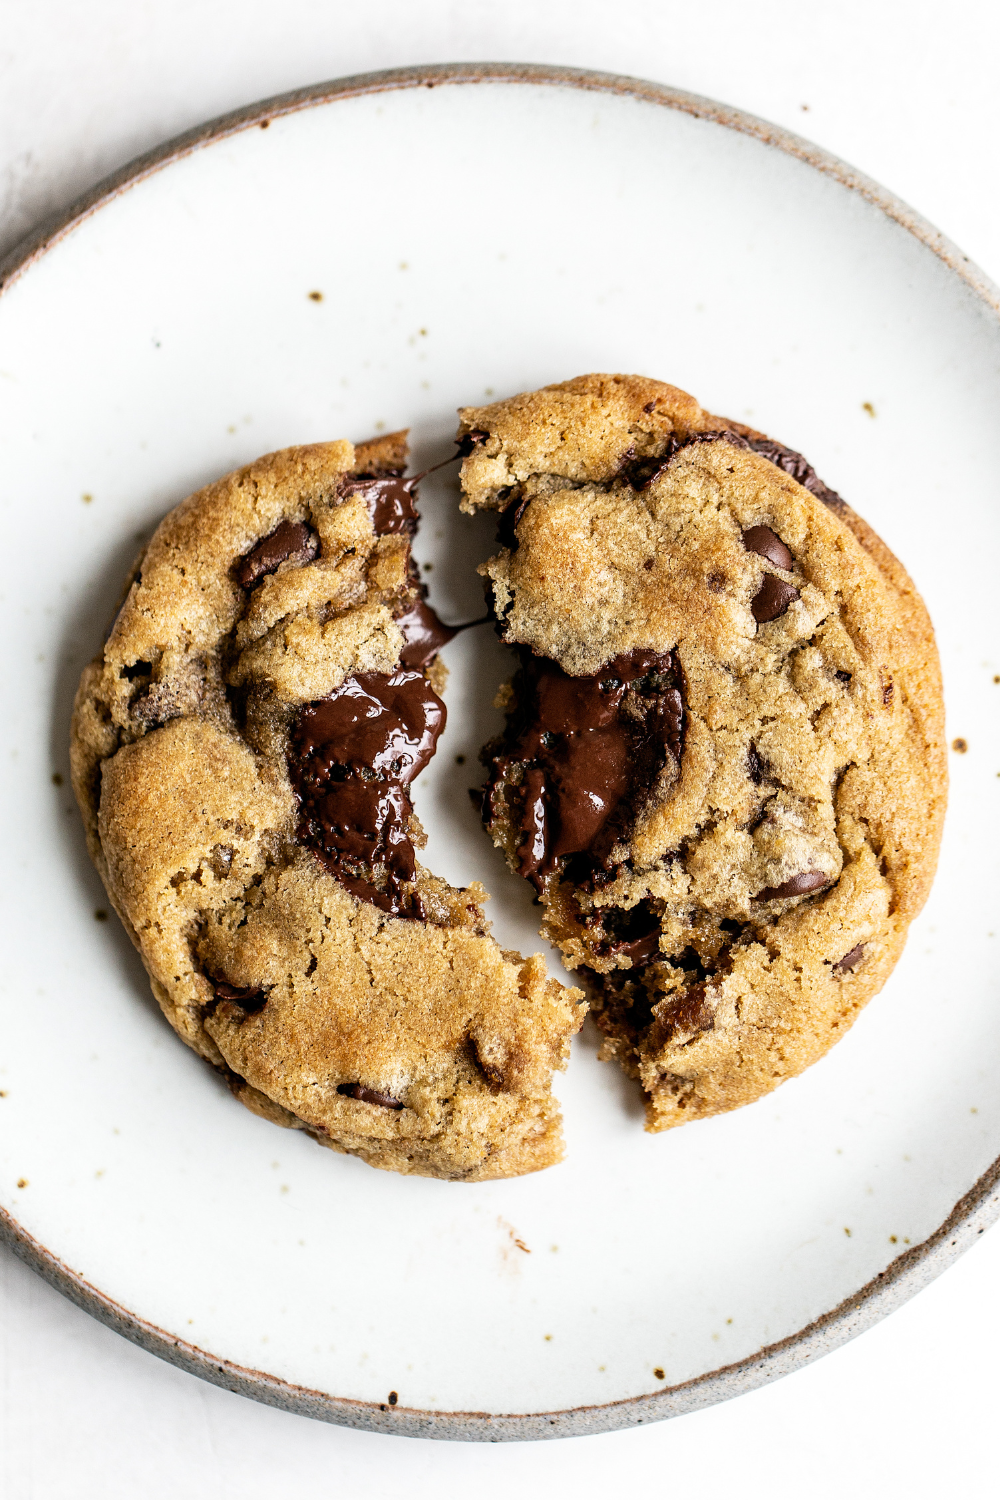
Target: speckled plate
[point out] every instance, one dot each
(368, 255)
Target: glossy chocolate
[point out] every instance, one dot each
(423, 634)
(351, 758)
(768, 544)
(291, 541)
(389, 498)
(772, 599)
(798, 885)
(584, 745)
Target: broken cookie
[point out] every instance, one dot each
(243, 751)
(723, 766)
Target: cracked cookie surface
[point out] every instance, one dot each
(723, 768)
(243, 750)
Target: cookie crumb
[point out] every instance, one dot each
(57, 778)
(868, 407)
(960, 746)
(100, 915)
(315, 296)
(660, 1373)
(22, 1182)
(86, 499)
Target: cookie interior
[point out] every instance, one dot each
(723, 766)
(243, 752)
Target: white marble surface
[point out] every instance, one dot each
(908, 96)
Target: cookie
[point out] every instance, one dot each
(243, 752)
(723, 766)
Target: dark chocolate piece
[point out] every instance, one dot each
(292, 541)
(850, 960)
(507, 524)
(757, 766)
(689, 1011)
(767, 543)
(640, 473)
(772, 598)
(250, 999)
(469, 442)
(389, 498)
(633, 934)
(351, 757)
(798, 467)
(369, 1096)
(583, 752)
(423, 633)
(806, 880)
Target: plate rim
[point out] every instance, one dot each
(904, 1276)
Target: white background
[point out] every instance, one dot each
(909, 95)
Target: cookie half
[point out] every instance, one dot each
(243, 750)
(723, 768)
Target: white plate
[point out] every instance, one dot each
(478, 231)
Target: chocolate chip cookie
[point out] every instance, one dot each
(243, 751)
(723, 767)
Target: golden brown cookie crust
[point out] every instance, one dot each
(813, 741)
(416, 1044)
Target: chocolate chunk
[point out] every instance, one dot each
(292, 541)
(509, 517)
(250, 999)
(767, 543)
(351, 757)
(850, 960)
(688, 1012)
(369, 1096)
(470, 442)
(423, 633)
(799, 468)
(583, 752)
(757, 766)
(806, 880)
(772, 598)
(633, 934)
(389, 498)
(640, 473)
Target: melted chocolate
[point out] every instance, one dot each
(633, 934)
(424, 634)
(584, 744)
(292, 540)
(351, 758)
(389, 498)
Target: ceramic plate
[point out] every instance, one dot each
(386, 249)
